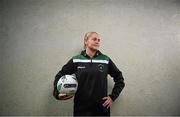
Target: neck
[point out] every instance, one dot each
(90, 52)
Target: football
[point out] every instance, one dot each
(67, 84)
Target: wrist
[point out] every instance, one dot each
(110, 98)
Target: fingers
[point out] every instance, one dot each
(63, 96)
(109, 105)
(107, 102)
(67, 97)
(105, 98)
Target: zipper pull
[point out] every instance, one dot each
(91, 62)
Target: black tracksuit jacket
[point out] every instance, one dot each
(91, 74)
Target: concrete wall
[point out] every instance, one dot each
(38, 37)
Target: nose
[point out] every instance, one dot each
(97, 40)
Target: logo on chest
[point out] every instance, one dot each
(101, 67)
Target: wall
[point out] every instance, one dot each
(38, 37)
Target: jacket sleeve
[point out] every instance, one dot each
(68, 68)
(118, 79)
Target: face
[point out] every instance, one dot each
(93, 42)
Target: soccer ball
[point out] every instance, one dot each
(67, 84)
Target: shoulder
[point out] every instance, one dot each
(103, 57)
(78, 56)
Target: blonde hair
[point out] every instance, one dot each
(87, 35)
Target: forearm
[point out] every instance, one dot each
(118, 87)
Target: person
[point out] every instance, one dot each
(91, 68)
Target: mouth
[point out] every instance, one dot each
(96, 45)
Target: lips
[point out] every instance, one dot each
(96, 45)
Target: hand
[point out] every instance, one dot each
(108, 102)
(63, 96)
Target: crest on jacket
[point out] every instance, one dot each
(101, 67)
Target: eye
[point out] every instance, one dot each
(96, 39)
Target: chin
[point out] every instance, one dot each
(94, 49)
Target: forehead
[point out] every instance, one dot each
(94, 35)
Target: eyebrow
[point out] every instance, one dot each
(96, 38)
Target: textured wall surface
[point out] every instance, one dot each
(37, 37)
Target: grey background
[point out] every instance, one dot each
(38, 37)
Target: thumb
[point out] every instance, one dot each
(104, 98)
(62, 94)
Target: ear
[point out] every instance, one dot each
(85, 42)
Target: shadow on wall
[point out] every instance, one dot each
(55, 107)
(177, 2)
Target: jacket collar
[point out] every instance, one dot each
(96, 54)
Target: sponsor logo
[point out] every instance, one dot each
(81, 67)
(70, 85)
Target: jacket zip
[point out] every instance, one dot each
(91, 61)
